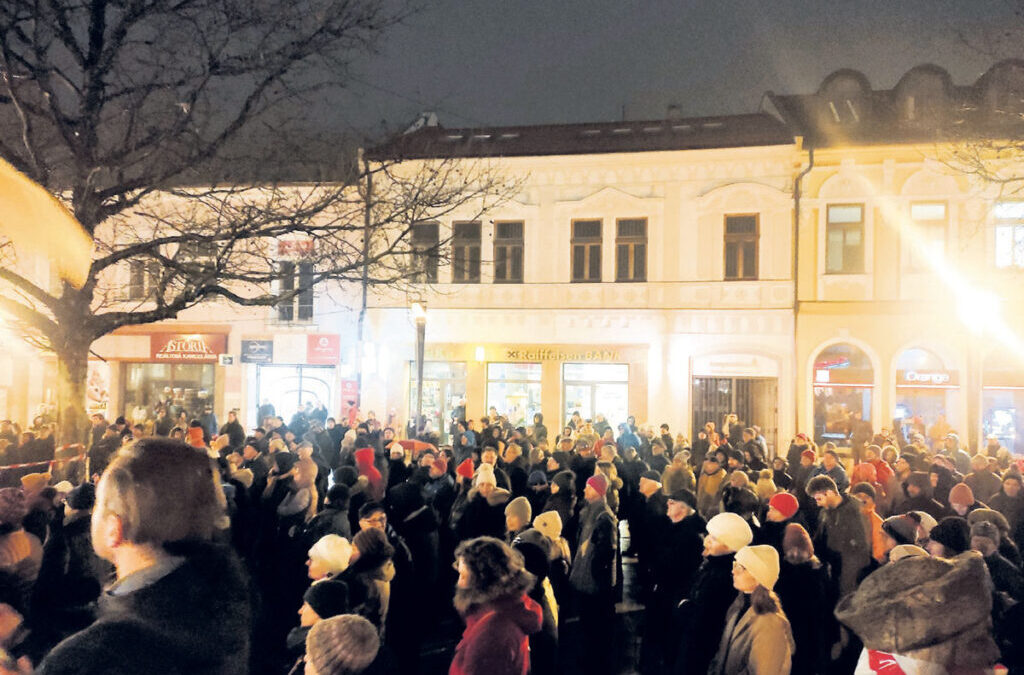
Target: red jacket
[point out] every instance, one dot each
(496, 639)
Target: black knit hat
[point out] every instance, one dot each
(285, 461)
(565, 480)
(651, 474)
(954, 533)
(404, 499)
(685, 496)
(346, 475)
(328, 598)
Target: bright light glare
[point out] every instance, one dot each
(978, 309)
(419, 311)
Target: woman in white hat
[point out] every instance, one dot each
(757, 638)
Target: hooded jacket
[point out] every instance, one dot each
(752, 643)
(195, 619)
(496, 639)
(593, 570)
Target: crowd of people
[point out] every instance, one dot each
(321, 547)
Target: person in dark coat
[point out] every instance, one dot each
(701, 617)
(563, 500)
(918, 491)
(480, 510)
(532, 546)
(333, 518)
(233, 429)
(646, 527)
(181, 603)
(593, 576)
(101, 453)
(802, 590)
(1006, 577)
(1009, 501)
(676, 557)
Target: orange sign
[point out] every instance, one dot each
(193, 347)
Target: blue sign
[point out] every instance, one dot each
(257, 351)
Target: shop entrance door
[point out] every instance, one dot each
(595, 389)
(289, 387)
(753, 399)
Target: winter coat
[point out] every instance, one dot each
(677, 557)
(480, 516)
(801, 590)
(496, 638)
(752, 643)
(328, 521)
(72, 575)
(193, 620)
(593, 570)
(707, 492)
(1011, 507)
(931, 609)
(1005, 576)
(701, 617)
(562, 503)
(678, 478)
(235, 432)
(843, 544)
(369, 589)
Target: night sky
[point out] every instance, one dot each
(479, 62)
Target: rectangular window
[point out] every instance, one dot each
(295, 275)
(508, 252)
(1009, 234)
(143, 279)
(926, 246)
(514, 389)
(844, 239)
(425, 242)
(586, 250)
(466, 253)
(631, 249)
(741, 234)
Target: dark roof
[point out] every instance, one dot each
(924, 107)
(727, 131)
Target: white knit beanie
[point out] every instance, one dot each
(342, 644)
(731, 530)
(485, 474)
(549, 524)
(333, 551)
(762, 562)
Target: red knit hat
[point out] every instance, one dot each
(784, 503)
(796, 537)
(809, 454)
(599, 483)
(961, 494)
(465, 469)
(194, 437)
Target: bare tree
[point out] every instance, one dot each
(139, 114)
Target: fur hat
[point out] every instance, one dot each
(954, 533)
(13, 508)
(327, 598)
(333, 551)
(990, 516)
(373, 543)
(962, 494)
(345, 644)
(985, 529)
(796, 537)
(906, 551)
(762, 562)
(520, 508)
(34, 482)
(465, 469)
(902, 529)
(485, 474)
(599, 483)
(685, 496)
(784, 503)
(82, 498)
(731, 530)
(549, 524)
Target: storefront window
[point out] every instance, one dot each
(289, 388)
(513, 389)
(843, 380)
(755, 401)
(594, 389)
(1003, 401)
(181, 387)
(926, 396)
(444, 394)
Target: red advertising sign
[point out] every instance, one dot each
(292, 248)
(323, 349)
(194, 347)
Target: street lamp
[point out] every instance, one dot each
(419, 315)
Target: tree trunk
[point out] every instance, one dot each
(72, 374)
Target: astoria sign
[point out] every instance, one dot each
(187, 347)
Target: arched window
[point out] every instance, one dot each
(843, 381)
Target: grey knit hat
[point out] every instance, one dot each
(342, 645)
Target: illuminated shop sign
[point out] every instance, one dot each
(559, 355)
(926, 378)
(195, 347)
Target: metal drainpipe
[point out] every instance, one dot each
(797, 185)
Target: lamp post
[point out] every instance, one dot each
(419, 315)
